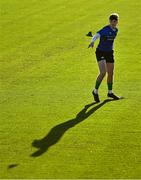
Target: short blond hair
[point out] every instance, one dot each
(114, 16)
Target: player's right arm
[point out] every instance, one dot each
(94, 38)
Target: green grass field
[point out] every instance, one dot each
(47, 74)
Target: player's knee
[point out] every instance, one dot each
(110, 74)
(103, 73)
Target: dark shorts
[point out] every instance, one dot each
(102, 55)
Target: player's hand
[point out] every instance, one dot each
(91, 45)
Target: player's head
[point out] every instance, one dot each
(113, 19)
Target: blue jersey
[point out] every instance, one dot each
(107, 36)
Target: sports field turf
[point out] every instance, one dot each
(49, 125)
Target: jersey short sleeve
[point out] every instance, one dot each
(101, 31)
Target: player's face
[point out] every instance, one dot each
(113, 23)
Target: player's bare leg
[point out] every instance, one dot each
(102, 72)
(110, 74)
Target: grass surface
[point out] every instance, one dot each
(46, 78)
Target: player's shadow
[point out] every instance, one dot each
(59, 130)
